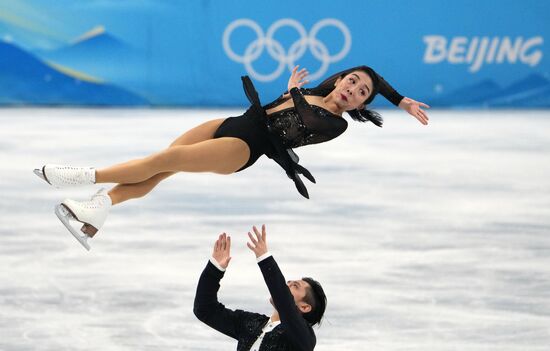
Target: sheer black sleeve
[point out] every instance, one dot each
(298, 331)
(302, 107)
(388, 91)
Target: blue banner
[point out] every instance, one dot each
(192, 53)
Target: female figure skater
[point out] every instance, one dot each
(224, 146)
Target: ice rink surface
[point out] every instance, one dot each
(424, 238)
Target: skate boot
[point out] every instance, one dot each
(66, 176)
(91, 214)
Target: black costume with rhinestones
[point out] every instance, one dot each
(293, 334)
(304, 124)
(276, 134)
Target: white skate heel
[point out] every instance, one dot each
(91, 214)
(66, 176)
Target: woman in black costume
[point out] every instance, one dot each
(297, 118)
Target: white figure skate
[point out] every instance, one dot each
(66, 176)
(91, 213)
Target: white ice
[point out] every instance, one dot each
(425, 238)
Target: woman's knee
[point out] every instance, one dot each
(160, 177)
(143, 188)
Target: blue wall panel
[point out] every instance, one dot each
(191, 53)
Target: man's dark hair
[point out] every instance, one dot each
(316, 298)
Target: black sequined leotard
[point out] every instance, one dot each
(303, 124)
(293, 127)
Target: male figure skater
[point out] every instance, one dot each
(298, 304)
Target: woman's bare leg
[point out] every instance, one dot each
(123, 192)
(200, 133)
(223, 156)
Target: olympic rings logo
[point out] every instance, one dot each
(276, 50)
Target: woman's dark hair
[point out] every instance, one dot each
(316, 298)
(361, 115)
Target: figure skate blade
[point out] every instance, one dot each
(40, 174)
(65, 216)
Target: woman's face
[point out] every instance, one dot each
(352, 90)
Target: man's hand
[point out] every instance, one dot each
(222, 250)
(259, 244)
(413, 107)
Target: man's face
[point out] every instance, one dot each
(298, 289)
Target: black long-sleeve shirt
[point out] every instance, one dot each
(294, 332)
(305, 124)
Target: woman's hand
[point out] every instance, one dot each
(222, 250)
(297, 78)
(414, 108)
(259, 244)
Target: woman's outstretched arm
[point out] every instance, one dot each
(413, 107)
